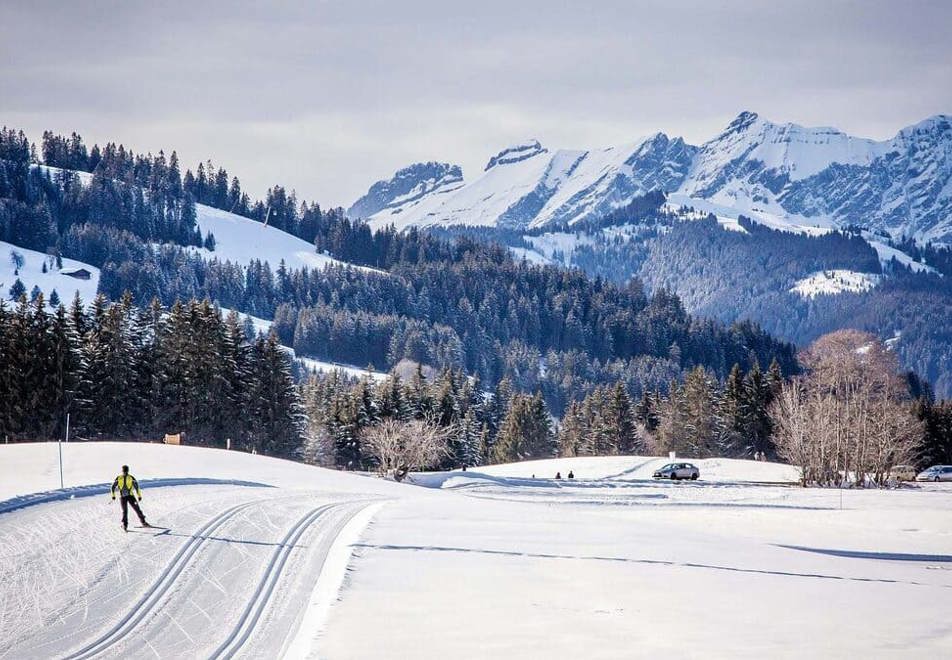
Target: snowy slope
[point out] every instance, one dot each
(243, 545)
(831, 282)
(900, 185)
(242, 240)
(612, 565)
(407, 186)
(31, 274)
(787, 149)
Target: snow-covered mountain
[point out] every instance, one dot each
(528, 185)
(408, 186)
(784, 174)
(823, 176)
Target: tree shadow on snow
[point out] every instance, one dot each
(649, 562)
(861, 554)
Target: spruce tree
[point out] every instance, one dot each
(526, 432)
(573, 431)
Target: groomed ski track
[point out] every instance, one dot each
(153, 596)
(253, 607)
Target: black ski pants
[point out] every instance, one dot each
(126, 501)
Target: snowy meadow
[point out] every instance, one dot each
(503, 561)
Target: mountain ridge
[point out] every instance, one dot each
(783, 173)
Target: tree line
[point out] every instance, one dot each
(124, 372)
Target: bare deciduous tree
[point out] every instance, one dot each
(400, 447)
(848, 419)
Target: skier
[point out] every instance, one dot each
(558, 475)
(125, 483)
(571, 475)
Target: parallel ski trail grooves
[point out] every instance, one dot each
(154, 594)
(262, 594)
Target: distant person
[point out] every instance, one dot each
(558, 475)
(128, 488)
(571, 475)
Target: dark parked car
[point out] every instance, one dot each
(677, 471)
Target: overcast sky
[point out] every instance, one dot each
(328, 96)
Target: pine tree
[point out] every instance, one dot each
(18, 290)
(279, 419)
(732, 413)
(393, 404)
(573, 431)
(621, 413)
(701, 430)
(8, 357)
(469, 449)
(526, 432)
(757, 399)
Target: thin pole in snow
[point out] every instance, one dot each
(60, 446)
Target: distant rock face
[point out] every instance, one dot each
(789, 172)
(516, 154)
(902, 185)
(407, 185)
(907, 190)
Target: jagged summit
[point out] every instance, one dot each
(516, 153)
(784, 172)
(407, 185)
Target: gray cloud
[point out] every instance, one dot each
(327, 97)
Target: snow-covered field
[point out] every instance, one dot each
(31, 274)
(502, 561)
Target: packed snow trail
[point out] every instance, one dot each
(237, 547)
(154, 595)
(263, 594)
(237, 586)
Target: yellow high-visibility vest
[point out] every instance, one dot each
(127, 483)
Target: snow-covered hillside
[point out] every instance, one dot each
(31, 274)
(830, 282)
(783, 175)
(407, 186)
(242, 240)
(245, 551)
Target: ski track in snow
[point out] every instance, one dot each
(154, 594)
(167, 604)
(229, 560)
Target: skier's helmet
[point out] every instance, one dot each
(125, 469)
